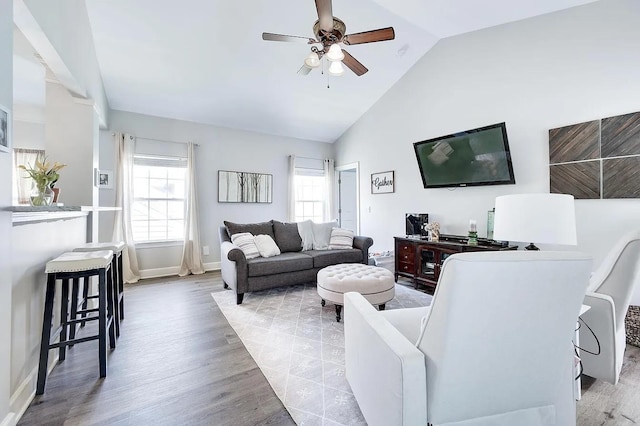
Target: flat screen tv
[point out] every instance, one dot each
(470, 158)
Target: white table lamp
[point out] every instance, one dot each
(539, 218)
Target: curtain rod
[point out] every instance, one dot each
(159, 140)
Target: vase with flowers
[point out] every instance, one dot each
(44, 176)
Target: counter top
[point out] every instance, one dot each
(25, 214)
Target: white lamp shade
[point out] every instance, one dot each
(536, 218)
(335, 53)
(312, 61)
(336, 69)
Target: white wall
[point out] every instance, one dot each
(541, 73)
(28, 135)
(220, 149)
(6, 99)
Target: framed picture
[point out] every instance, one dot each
(5, 129)
(105, 179)
(244, 187)
(382, 183)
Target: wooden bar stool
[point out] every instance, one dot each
(73, 266)
(118, 280)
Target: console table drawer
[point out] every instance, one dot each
(407, 267)
(407, 257)
(406, 249)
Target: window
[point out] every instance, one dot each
(309, 194)
(159, 196)
(21, 181)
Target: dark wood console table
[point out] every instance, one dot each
(421, 260)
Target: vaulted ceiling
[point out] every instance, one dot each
(205, 61)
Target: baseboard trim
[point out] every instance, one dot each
(9, 420)
(173, 270)
(23, 396)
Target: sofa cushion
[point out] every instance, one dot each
(287, 236)
(286, 262)
(322, 234)
(341, 239)
(322, 258)
(266, 246)
(247, 244)
(252, 228)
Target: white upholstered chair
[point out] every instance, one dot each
(496, 347)
(602, 329)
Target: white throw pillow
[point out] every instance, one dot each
(341, 239)
(266, 246)
(246, 242)
(322, 234)
(306, 233)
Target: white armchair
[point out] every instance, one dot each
(602, 330)
(495, 347)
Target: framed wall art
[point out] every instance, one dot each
(5, 129)
(382, 183)
(244, 187)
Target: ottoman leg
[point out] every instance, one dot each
(381, 307)
(322, 302)
(338, 312)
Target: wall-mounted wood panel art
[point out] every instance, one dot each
(598, 140)
(574, 143)
(582, 180)
(621, 177)
(621, 135)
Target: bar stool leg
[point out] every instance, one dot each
(46, 334)
(111, 319)
(74, 309)
(113, 273)
(120, 286)
(64, 318)
(85, 294)
(102, 323)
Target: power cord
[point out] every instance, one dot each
(576, 347)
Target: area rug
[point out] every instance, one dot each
(299, 347)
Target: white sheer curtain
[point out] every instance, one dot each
(329, 189)
(291, 199)
(21, 181)
(191, 256)
(125, 144)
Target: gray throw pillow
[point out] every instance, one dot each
(265, 228)
(287, 236)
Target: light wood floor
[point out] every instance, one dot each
(178, 362)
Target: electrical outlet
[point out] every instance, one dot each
(205, 250)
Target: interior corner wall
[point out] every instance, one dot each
(6, 100)
(541, 73)
(219, 148)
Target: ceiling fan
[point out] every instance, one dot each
(329, 32)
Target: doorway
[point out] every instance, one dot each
(348, 180)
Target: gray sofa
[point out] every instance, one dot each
(292, 266)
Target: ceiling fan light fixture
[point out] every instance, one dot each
(335, 53)
(336, 69)
(312, 60)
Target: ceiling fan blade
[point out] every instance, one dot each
(304, 70)
(282, 37)
(381, 34)
(325, 14)
(353, 64)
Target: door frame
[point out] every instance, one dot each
(351, 166)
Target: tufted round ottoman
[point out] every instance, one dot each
(375, 284)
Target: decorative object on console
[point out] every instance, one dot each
(382, 183)
(473, 233)
(434, 230)
(580, 155)
(244, 187)
(416, 224)
(490, 217)
(540, 218)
